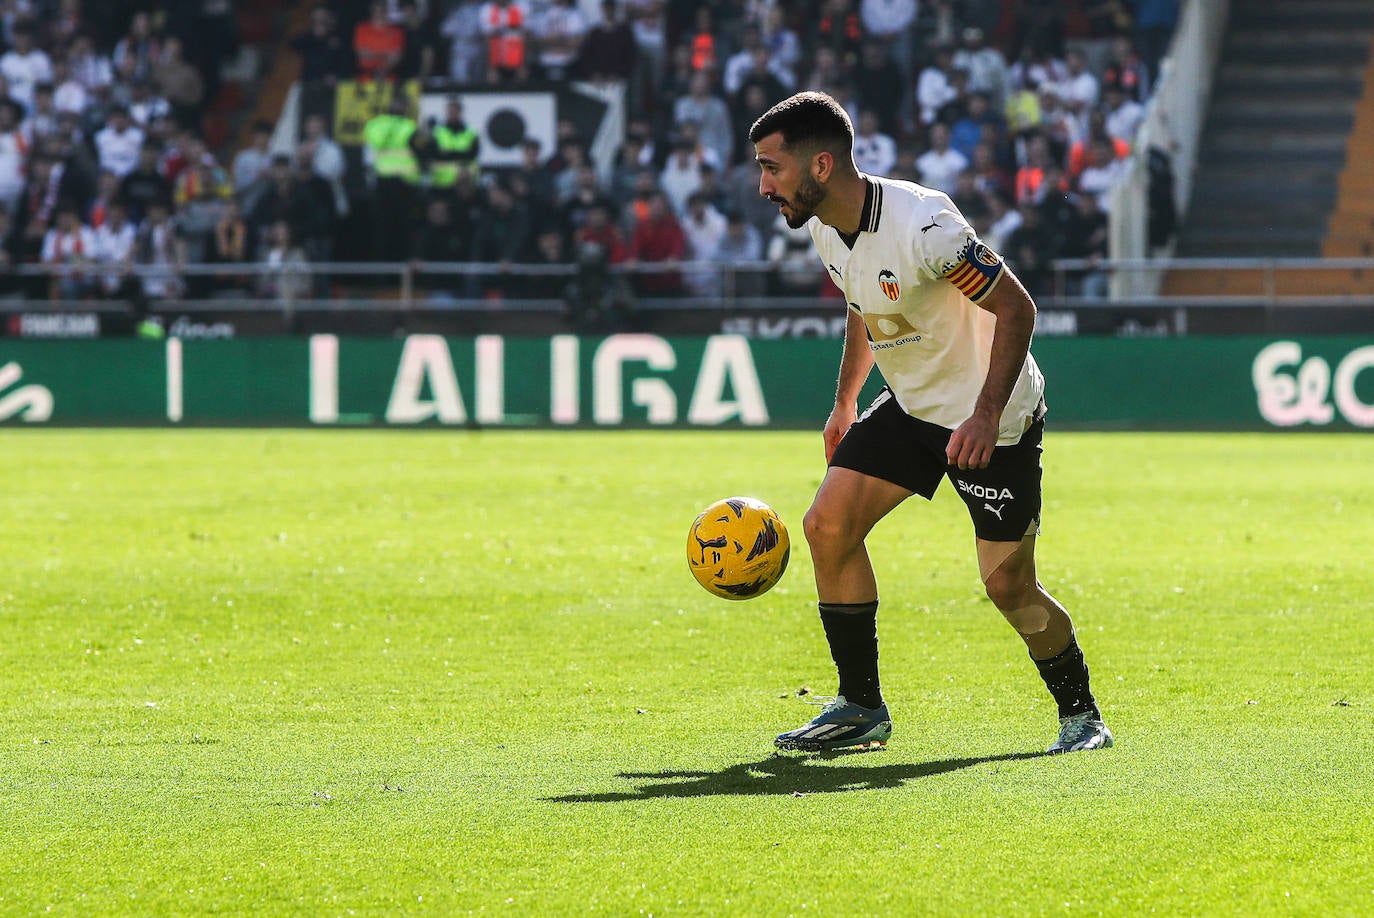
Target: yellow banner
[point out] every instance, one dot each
(355, 103)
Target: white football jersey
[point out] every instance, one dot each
(915, 272)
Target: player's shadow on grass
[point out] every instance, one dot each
(782, 774)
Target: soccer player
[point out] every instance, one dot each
(949, 326)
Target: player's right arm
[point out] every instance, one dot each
(855, 364)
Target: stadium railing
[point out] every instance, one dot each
(486, 287)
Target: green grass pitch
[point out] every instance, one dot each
(458, 672)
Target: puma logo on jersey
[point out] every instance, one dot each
(984, 492)
(932, 225)
(995, 511)
(835, 271)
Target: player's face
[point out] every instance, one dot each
(787, 181)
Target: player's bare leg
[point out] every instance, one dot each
(1008, 571)
(847, 506)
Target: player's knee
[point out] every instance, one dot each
(1009, 590)
(825, 529)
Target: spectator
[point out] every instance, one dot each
(201, 205)
(765, 75)
(1034, 68)
(742, 61)
(1030, 250)
(658, 240)
(933, 87)
(980, 119)
(790, 252)
(681, 176)
(230, 242)
(1058, 124)
(941, 164)
(704, 228)
(1101, 174)
(1078, 91)
(825, 69)
(1003, 220)
(879, 87)
(1031, 177)
(144, 107)
(988, 174)
(89, 68)
(378, 44)
(394, 172)
(550, 248)
(505, 24)
(648, 19)
(325, 57)
(179, 83)
(839, 28)
(875, 153)
(458, 147)
(1127, 71)
(113, 252)
(68, 248)
(25, 66)
(118, 143)
(439, 240)
(418, 57)
(600, 231)
(987, 68)
(135, 53)
(608, 52)
(1122, 115)
(251, 163)
(158, 246)
(705, 48)
(288, 276)
(327, 157)
(463, 29)
(558, 33)
(712, 117)
(1022, 109)
(504, 233)
(784, 47)
(587, 194)
(42, 120)
(202, 176)
(740, 249)
(892, 22)
(106, 196)
(1097, 132)
(1086, 237)
(145, 185)
(68, 94)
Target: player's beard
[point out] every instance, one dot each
(807, 198)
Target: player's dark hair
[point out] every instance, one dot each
(809, 121)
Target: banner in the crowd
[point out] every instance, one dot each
(646, 380)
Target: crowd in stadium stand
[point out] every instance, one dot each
(1021, 111)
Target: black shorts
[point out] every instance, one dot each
(1003, 499)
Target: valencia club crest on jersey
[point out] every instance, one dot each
(888, 281)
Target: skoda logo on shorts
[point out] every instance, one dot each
(888, 281)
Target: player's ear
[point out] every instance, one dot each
(822, 165)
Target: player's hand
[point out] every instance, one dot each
(836, 425)
(971, 444)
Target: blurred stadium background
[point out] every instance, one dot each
(1174, 170)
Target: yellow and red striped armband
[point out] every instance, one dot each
(977, 271)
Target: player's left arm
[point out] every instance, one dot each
(972, 443)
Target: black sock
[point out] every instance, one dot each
(852, 631)
(1066, 676)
